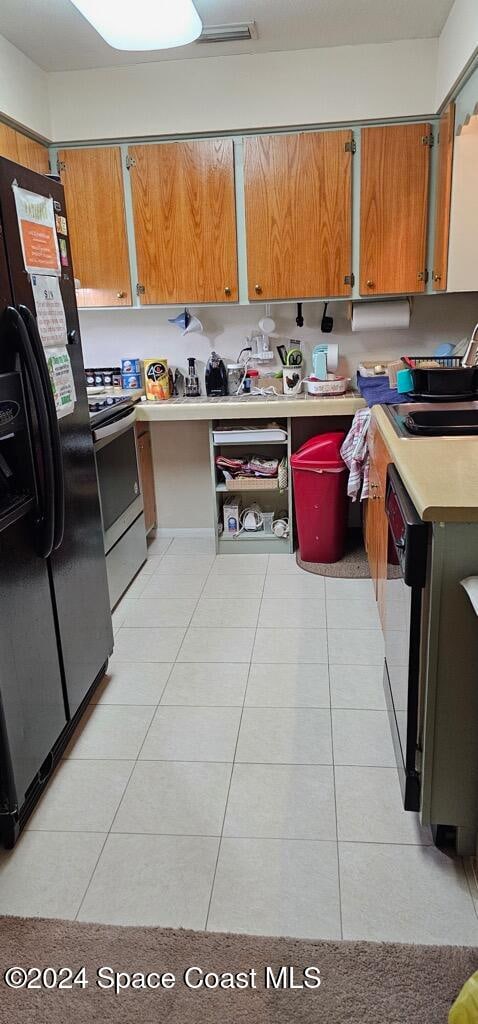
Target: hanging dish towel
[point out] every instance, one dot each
(354, 452)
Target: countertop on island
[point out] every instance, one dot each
(439, 473)
(249, 407)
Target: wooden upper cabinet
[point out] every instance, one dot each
(393, 208)
(8, 143)
(443, 198)
(185, 221)
(32, 154)
(23, 150)
(93, 183)
(298, 194)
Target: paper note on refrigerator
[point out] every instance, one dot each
(49, 310)
(36, 221)
(62, 381)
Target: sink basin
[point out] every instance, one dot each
(451, 419)
(444, 423)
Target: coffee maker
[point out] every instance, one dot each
(216, 376)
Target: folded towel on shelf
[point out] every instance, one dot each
(247, 465)
(354, 452)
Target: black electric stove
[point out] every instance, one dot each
(105, 408)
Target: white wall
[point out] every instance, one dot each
(108, 335)
(23, 90)
(456, 46)
(345, 83)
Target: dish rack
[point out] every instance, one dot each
(446, 379)
(252, 487)
(443, 361)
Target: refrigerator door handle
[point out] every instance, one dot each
(45, 519)
(59, 485)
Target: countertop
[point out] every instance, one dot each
(249, 407)
(439, 473)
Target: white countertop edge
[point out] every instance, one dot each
(249, 408)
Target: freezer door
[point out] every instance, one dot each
(32, 709)
(77, 567)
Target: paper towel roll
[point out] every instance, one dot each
(381, 316)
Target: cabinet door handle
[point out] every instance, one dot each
(120, 295)
(258, 289)
(370, 284)
(228, 291)
(437, 277)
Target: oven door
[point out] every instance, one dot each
(406, 576)
(118, 477)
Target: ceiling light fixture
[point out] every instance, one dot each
(144, 24)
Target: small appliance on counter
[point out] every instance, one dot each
(192, 387)
(215, 376)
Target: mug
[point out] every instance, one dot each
(292, 380)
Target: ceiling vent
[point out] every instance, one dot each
(235, 32)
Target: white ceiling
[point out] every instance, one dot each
(55, 35)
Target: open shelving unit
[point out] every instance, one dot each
(270, 499)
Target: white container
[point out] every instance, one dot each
(292, 380)
(332, 386)
(231, 511)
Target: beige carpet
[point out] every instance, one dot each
(353, 566)
(361, 982)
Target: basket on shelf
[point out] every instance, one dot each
(253, 483)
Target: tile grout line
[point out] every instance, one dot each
(135, 761)
(333, 773)
(235, 751)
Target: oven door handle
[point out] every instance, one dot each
(115, 429)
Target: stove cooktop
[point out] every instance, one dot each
(104, 407)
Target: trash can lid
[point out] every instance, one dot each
(322, 451)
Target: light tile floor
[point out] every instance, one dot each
(235, 770)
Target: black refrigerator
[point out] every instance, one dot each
(55, 622)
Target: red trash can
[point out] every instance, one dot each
(320, 490)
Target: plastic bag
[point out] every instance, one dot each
(465, 1007)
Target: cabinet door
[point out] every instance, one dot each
(93, 183)
(146, 472)
(462, 263)
(443, 198)
(32, 154)
(393, 208)
(8, 143)
(298, 193)
(185, 221)
(23, 150)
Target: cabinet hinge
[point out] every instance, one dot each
(130, 162)
(140, 289)
(349, 279)
(423, 275)
(428, 140)
(61, 165)
(351, 147)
